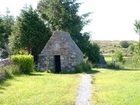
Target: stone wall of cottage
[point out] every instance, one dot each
(60, 44)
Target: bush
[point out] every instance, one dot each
(124, 44)
(118, 56)
(25, 63)
(83, 67)
(93, 53)
(114, 66)
(8, 71)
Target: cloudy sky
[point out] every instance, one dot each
(111, 19)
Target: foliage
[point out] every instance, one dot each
(63, 15)
(137, 49)
(136, 60)
(137, 27)
(6, 23)
(108, 48)
(124, 44)
(93, 53)
(29, 32)
(25, 63)
(4, 53)
(83, 67)
(11, 70)
(118, 56)
(8, 71)
(131, 48)
(52, 89)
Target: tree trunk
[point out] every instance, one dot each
(35, 55)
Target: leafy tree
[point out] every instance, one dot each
(63, 15)
(93, 52)
(124, 44)
(6, 23)
(1, 31)
(137, 29)
(118, 56)
(29, 33)
(131, 48)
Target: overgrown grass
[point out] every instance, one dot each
(116, 87)
(40, 89)
(128, 64)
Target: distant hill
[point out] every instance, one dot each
(107, 47)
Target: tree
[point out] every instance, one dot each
(131, 48)
(124, 44)
(137, 29)
(93, 53)
(118, 56)
(63, 15)
(29, 33)
(1, 31)
(6, 23)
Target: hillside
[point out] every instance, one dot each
(107, 47)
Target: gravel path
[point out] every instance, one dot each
(84, 91)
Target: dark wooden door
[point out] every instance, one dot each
(57, 63)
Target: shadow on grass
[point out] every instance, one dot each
(36, 74)
(130, 69)
(123, 69)
(3, 86)
(92, 72)
(75, 72)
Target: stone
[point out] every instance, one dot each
(61, 51)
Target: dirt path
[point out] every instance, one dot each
(84, 91)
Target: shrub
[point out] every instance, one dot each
(8, 71)
(25, 63)
(115, 66)
(124, 44)
(118, 56)
(131, 49)
(83, 67)
(136, 60)
(93, 53)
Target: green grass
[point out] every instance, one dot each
(116, 87)
(40, 89)
(129, 64)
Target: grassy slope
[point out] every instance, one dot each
(116, 87)
(40, 89)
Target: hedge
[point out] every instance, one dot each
(25, 63)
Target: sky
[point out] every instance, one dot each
(110, 19)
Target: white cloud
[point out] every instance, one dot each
(111, 19)
(15, 5)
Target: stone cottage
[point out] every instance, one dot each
(60, 53)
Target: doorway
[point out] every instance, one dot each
(57, 63)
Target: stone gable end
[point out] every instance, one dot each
(60, 46)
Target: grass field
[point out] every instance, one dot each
(40, 89)
(129, 64)
(120, 87)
